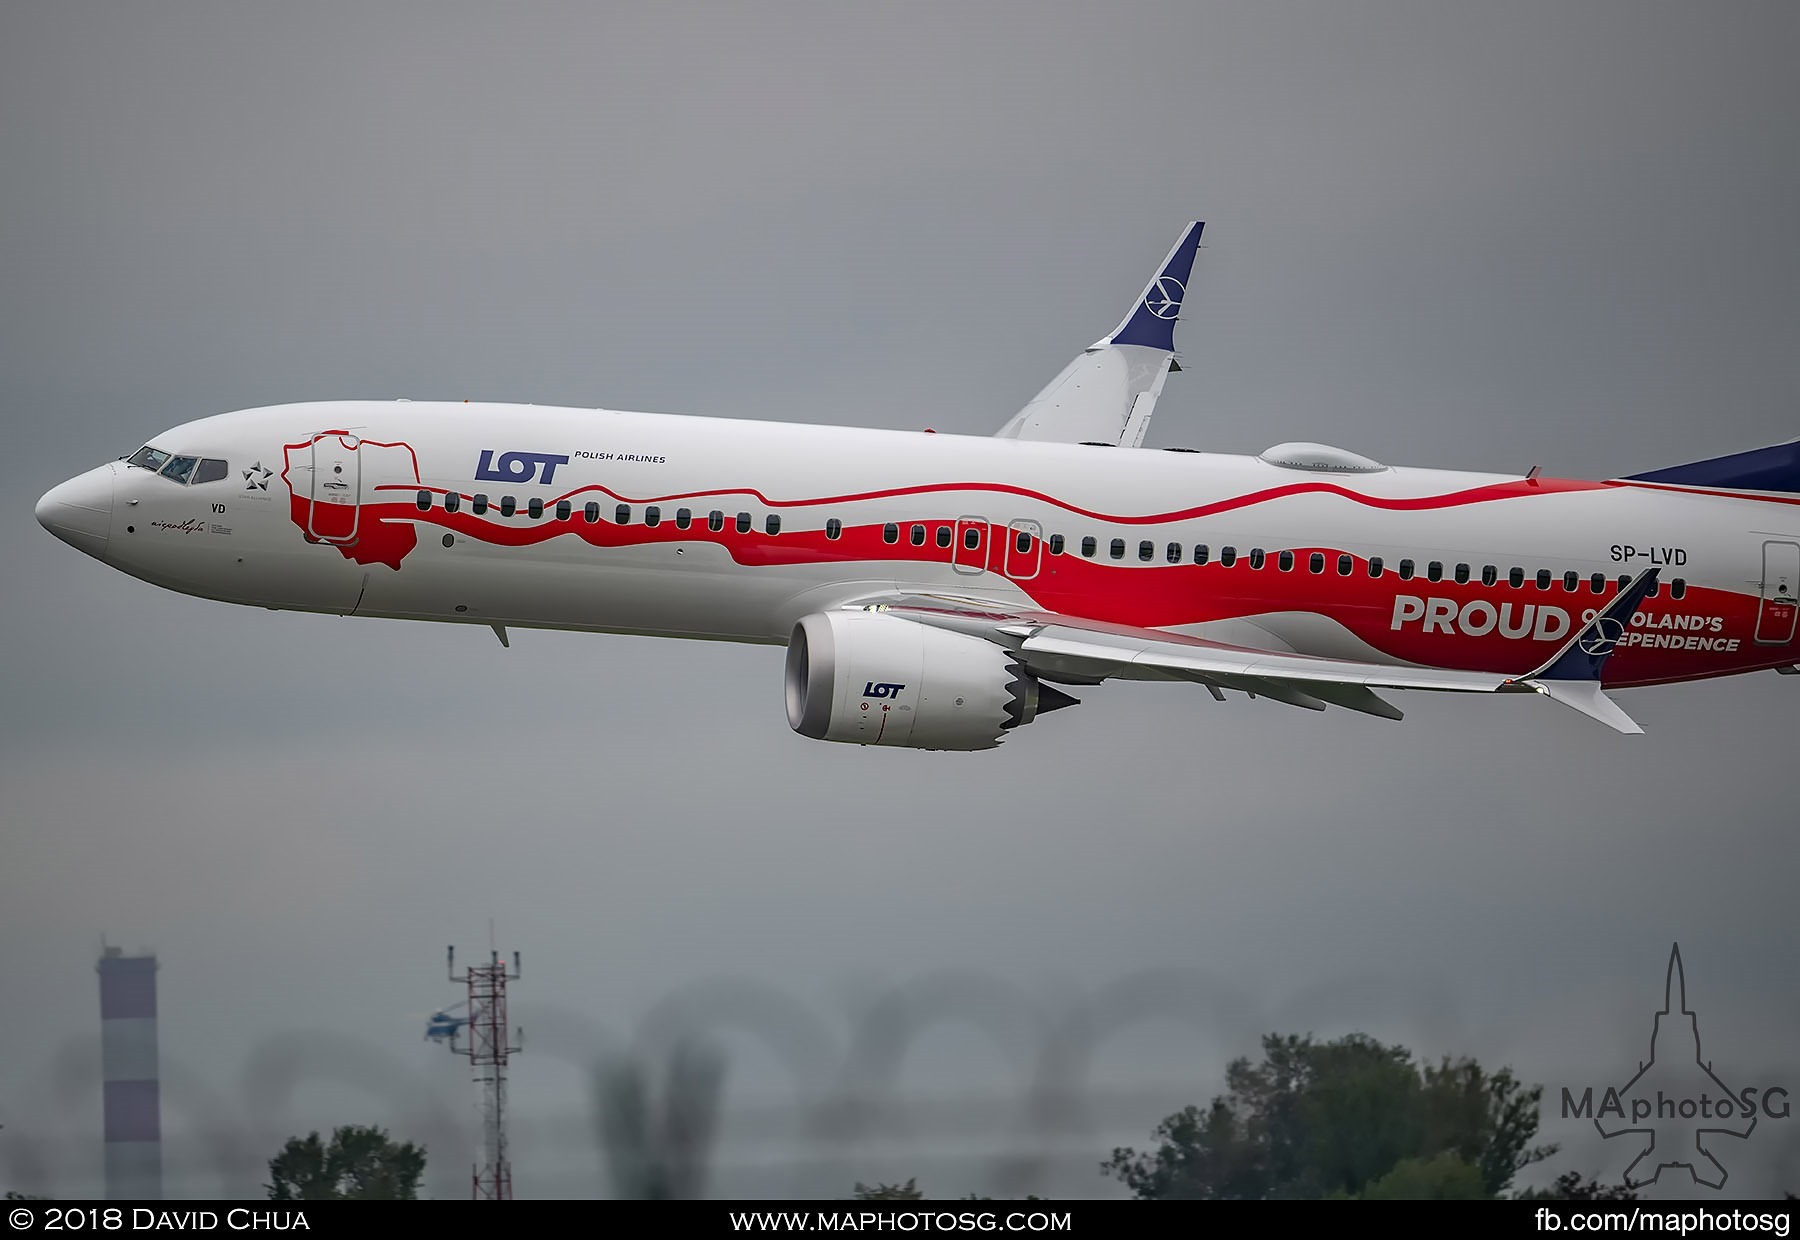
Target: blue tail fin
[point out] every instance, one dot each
(1151, 322)
(1761, 469)
(1107, 393)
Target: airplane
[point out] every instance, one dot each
(938, 591)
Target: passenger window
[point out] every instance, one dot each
(715, 520)
(478, 504)
(1515, 578)
(834, 528)
(424, 501)
(1571, 581)
(535, 509)
(1489, 574)
(653, 515)
(1406, 570)
(1345, 564)
(1088, 547)
(1173, 553)
(772, 523)
(622, 514)
(943, 536)
(1227, 556)
(452, 501)
(1655, 589)
(564, 510)
(1118, 548)
(508, 505)
(1056, 543)
(1200, 556)
(1022, 542)
(211, 470)
(743, 523)
(972, 538)
(1623, 582)
(591, 513)
(1374, 566)
(1434, 571)
(1462, 574)
(917, 536)
(1677, 588)
(684, 517)
(1316, 562)
(1597, 583)
(1146, 551)
(890, 533)
(179, 467)
(1256, 557)
(1543, 579)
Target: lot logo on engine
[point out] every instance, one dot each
(881, 689)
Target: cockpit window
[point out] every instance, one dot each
(182, 469)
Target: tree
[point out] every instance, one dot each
(10, 1195)
(1443, 1178)
(1570, 1186)
(908, 1191)
(1332, 1119)
(359, 1164)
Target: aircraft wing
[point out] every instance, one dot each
(1068, 650)
(1108, 392)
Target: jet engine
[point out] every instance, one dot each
(873, 679)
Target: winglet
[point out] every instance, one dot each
(1151, 322)
(1573, 676)
(1584, 654)
(1107, 393)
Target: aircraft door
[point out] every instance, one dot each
(968, 554)
(1780, 593)
(336, 488)
(1024, 550)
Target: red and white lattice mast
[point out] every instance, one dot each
(489, 1043)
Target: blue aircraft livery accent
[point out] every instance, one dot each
(1152, 321)
(1587, 652)
(1760, 469)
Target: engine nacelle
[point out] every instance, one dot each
(873, 679)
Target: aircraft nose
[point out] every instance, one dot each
(79, 511)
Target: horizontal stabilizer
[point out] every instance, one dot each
(1761, 469)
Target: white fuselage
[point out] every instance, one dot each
(345, 508)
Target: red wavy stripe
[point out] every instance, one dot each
(1454, 499)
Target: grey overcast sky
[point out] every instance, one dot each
(1446, 234)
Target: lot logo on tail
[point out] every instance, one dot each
(1164, 298)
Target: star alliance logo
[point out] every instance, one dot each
(1676, 1105)
(1164, 298)
(254, 482)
